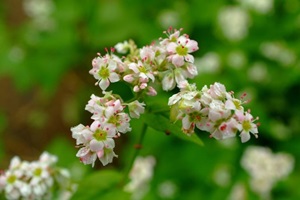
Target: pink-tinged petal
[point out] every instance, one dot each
(240, 115)
(168, 82)
(95, 125)
(192, 70)
(189, 58)
(151, 91)
(96, 145)
(214, 115)
(186, 123)
(114, 77)
(230, 105)
(192, 46)
(244, 136)
(89, 159)
(83, 151)
(177, 60)
(182, 40)
(104, 83)
(253, 128)
(179, 76)
(100, 153)
(112, 65)
(109, 143)
(134, 67)
(217, 134)
(128, 78)
(175, 35)
(171, 48)
(108, 157)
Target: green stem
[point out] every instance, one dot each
(138, 147)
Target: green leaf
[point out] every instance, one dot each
(102, 185)
(161, 123)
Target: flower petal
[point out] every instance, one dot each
(96, 145)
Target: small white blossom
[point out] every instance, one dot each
(140, 176)
(266, 168)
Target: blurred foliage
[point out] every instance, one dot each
(39, 49)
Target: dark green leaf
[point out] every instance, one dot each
(161, 123)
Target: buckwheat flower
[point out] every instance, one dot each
(260, 6)
(246, 125)
(180, 50)
(102, 136)
(168, 81)
(234, 22)
(147, 53)
(143, 71)
(226, 129)
(81, 134)
(217, 91)
(140, 175)
(266, 168)
(172, 34)
(32, 180)
(104, 71)
(140, 76)
(122, 47)
(136, 108)
(97, 143)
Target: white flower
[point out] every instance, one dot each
(260, 6)
(122, 47)
(180, 50)
(234, 22)
(266, 168)
(104, 71)
(140, 176)
(136, 108)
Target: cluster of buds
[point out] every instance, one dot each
(36, 179)
(168, 64)
(213, 110)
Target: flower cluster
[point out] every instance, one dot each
(266, 168)
(213, 110)
(36, 179)
(97, 140)
(169, 64)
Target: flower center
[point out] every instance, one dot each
(181, 50)
(103, 72)
(100, 135)
(11, 179)
(114, 120)
(37, 172)
(246, 125)
(237, 104)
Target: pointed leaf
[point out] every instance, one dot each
(161, 123)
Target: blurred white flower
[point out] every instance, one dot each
(167, 18)
(16, 54)
(140, 176)
(258, 72)
(260, 6)
(167, 190)
(34, 180)
(234, 23)
(40, 12)
(266, 168)
(238, 192)
(276, 51)
(222, 176)
(236, 59)
(208, 63)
